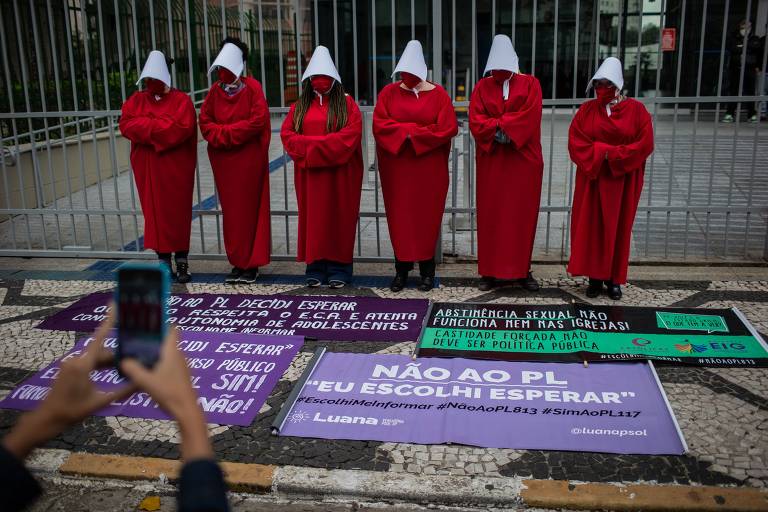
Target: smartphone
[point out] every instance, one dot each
(141, 297)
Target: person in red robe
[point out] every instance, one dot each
(413, 125)
(161, 124)
(609, 140)
(234, 119)
(322, 135)
(505, 119)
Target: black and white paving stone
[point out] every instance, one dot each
(723, 413)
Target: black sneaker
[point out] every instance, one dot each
(595, 288)
(249, 276)
(529, 283)
(336, 284)
(234, 276)
(313, 282)
(398, 283)
(427, 283)
(182, 272)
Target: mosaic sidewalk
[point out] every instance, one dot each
(723, 412)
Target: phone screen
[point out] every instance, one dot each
(140, 306)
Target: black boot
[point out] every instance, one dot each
(595, 288)
(529, 283)
(486, 283)
(614, 290)
(398, 283)
(427, 283)
(182, 272)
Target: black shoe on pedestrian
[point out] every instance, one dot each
(486, 283)
(249, 276)
(234, 276)
(529, 283)
(182, 272)
(313, 282)
(614, 291)
(336, 284)
(398, 283)
(427, 283)
(595, 288)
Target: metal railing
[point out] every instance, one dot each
(68, 189)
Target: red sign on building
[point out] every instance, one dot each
(668, 37)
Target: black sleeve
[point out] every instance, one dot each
(18, 488)
(202, 488)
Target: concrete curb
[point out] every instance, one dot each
(319, 484)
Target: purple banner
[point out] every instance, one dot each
(610, 407)
(321, 317)
(233, 375)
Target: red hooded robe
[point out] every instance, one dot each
(607, 190)
(508, 175)
(413, 140)
(163, 134)
(328, 177)
(238, 131)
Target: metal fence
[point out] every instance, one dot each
(69, 65)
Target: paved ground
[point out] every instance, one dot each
(78, 495)
(723, 413)
(704, 164)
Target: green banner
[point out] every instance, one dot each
(591, 333)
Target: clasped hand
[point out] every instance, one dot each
(501, 137)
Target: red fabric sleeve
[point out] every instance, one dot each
(240, 132)
(631, 157)
(482, 126)
(390, 135)
(134, 125)
(210, 129)
(428, 138)
(169, 131)
(226, 136)
(522, 125)
(587, 154)
(294, 143)
(336, 148)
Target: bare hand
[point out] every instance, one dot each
(72, 398)
(169, 381)
(169, 384)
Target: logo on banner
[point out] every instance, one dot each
(641, 342)
(690, 348)
(298, 416)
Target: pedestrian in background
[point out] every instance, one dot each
(609, 140)
(413, 124)
(745, 53)
(322, 135)
(161, 124)
(234, 119)
(505, 119)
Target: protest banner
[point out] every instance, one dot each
(612, 407)
(583, 332)
(233, 374)
(329, 318)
